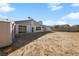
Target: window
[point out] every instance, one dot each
(22, 29)
(38, 28)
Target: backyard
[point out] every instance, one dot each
(44, 44)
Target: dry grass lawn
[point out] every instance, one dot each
(53, 44)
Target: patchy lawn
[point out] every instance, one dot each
(39, 44)
(58, 43)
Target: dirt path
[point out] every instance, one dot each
(58, 43)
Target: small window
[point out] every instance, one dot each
(38, 28)
(22, 29)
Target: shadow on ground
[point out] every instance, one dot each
(20, 41)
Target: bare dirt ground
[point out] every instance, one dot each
(48, 44)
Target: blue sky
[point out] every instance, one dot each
(49, 13)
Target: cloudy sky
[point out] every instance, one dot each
(49, 13)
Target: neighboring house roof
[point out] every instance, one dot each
(22, 20)
(28, 21)
(6, 20)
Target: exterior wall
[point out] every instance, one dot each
(35, 24)
(5, 34)
(28, 27)
(24, 23)
(31, 25)
(38, 30)
(12, 30)
(16, 29)
(48, 29)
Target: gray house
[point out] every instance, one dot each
(29, 26)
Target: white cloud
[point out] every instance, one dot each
(61, 22)
(55, 6)
(71, 16)
(48, 22)
(51, 22)
(75, 4)
(5, 7)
